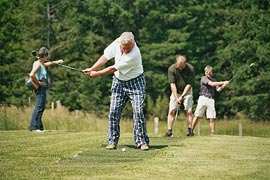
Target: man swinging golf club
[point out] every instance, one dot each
(206, 102)
(128, 84)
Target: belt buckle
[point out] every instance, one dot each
(210, 97)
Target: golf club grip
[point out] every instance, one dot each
(68, 67)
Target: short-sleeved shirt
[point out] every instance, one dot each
(181, 78)
(207, 90)
(42, 73)
(129, 66)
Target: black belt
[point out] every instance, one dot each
(210, 97)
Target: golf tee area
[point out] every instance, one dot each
(82, 155)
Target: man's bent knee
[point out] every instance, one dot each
(172, 112)
(189, 112)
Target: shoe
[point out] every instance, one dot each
(38, 130)
(111, 147)
(168, 134)
(144, 147)
(188, 134)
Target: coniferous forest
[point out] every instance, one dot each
(229, 35)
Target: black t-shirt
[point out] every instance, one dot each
(181, 77)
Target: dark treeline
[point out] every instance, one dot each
(226, 34)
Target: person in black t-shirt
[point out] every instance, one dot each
(181, 78)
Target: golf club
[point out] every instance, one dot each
(176, 113)
(252, 64)
(175, 118)
(68, 67)
(236, 75)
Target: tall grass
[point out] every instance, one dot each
(12, 118)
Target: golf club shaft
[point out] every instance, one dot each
(241, 72)
(176, 113)
(68, 67)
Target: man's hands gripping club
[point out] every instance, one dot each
(92, 70)
(225, 83)
(179, 100)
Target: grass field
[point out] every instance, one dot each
(12, 118)
(81, 156)
(73, 148)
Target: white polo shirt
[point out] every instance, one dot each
(129, 65)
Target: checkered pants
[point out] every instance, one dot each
(122, 91)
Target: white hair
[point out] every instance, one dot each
(127, 37)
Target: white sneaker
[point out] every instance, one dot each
(144, 147)
(38, 130)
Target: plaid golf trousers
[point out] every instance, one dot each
(122, 91)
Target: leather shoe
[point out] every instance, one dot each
(168, 135)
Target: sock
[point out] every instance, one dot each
(189, 131)
(169, 131)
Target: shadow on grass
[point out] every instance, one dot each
(158, 143)
(151, 146)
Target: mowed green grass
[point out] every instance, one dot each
(82, 155)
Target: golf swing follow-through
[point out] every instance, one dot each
(206, 101)
(39, 82)
(29, 82)
(252, 64)
(61, 64)
(236, 75)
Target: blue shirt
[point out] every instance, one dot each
(42, 73)
(206, 89)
